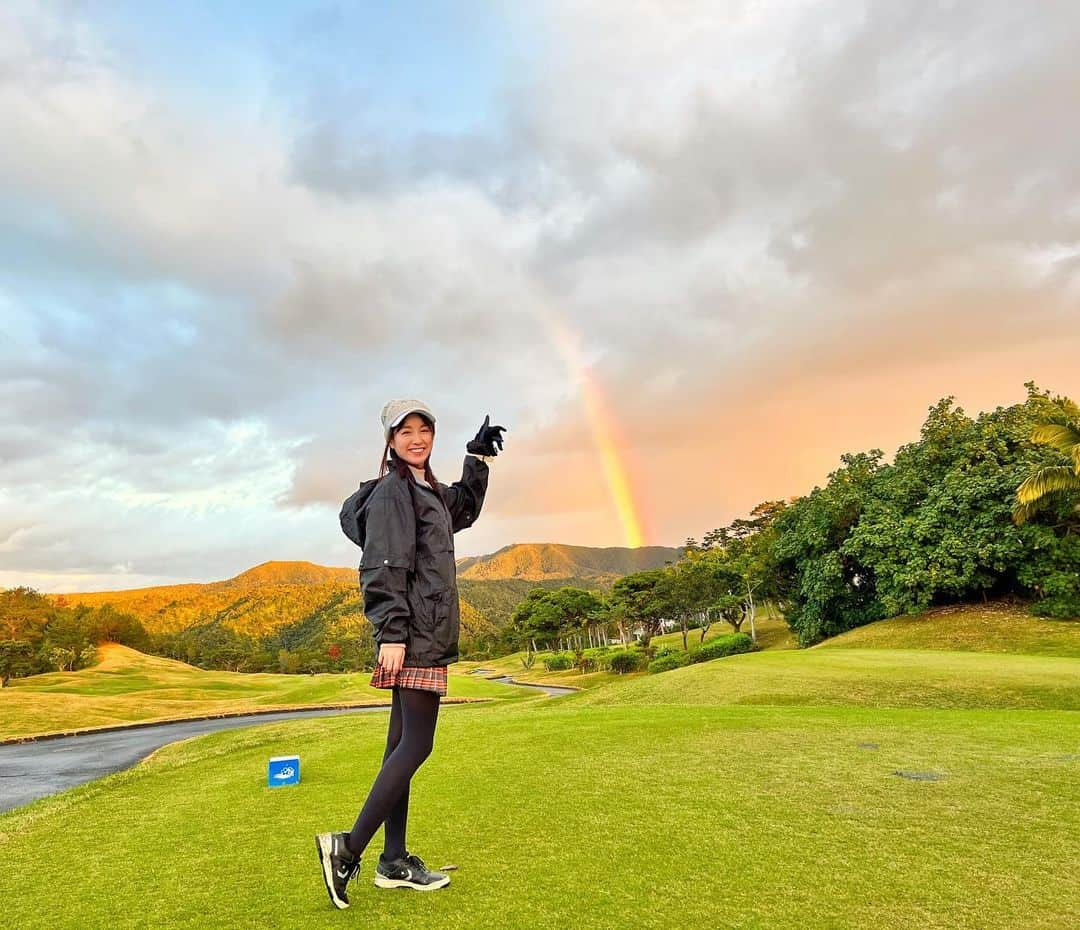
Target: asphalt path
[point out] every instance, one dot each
(35, 769)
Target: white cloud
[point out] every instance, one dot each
(205, 316)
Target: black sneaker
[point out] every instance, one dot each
(408, 872)
(338, 865)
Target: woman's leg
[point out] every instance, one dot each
(394, 825)
(419, 713)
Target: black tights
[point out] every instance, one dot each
(408, 743)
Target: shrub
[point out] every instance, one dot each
(732, 644)
(668, 662)
(558, 662)
(626, 661)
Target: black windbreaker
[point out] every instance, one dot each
(407, 570)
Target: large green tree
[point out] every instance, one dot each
(824, 589)
(935, 526)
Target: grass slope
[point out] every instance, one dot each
(995, 627)
(128, 686)
(863, 677)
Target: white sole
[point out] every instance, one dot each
(324, 843)
(383, 882)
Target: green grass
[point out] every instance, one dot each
(862, 677)
(990, 628)
(128, 686)
(756, 791)
(667, 816)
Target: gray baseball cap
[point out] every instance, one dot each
(394, 411)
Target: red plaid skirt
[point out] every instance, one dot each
(426, 678)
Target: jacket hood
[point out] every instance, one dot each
(354, 511)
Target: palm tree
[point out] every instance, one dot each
(1060, 428)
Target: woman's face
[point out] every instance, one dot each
(413, 440)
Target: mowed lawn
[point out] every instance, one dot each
(993, 627)
(667, 816)
(864, 677)
(839, 788)
(127, 686)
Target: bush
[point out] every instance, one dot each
(626, 661)
(732, 644)
(668, 662)
(558, 662)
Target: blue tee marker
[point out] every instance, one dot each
(284, 770)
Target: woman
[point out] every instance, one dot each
(404, 520)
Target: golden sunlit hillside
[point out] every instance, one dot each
(277, 594)
(553, 561)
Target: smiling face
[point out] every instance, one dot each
(413, 439)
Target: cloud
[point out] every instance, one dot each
(780, 231)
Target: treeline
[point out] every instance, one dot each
(307, 647)
(38, 636)
(974, 509)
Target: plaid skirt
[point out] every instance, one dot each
(426, 678)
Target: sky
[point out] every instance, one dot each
(687, 253)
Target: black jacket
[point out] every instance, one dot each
(407, 570)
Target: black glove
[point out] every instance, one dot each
(486, 439)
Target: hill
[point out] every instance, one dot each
(993, 627)
(256, 601)
(277, 595)
(553, 561)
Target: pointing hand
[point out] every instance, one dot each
(486, 439)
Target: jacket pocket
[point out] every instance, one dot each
(445, 571)
(444, 635)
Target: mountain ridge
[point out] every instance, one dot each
(277, 594)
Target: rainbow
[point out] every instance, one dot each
(604, 426)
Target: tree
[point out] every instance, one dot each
(935, 526)
(549, 616)
(16, 659)
(1059, 428)
(827, 590)
(642, 598)
(742, 566)
(24, 614)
